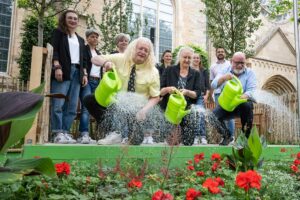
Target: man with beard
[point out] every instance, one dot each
(215, 70)
(244, 110)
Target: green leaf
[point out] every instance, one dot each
(20, 125)
(39, 165)
(255, 144)
(8, 177)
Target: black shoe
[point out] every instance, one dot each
(226, 140)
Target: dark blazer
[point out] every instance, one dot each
(61, 53)
(170, 77)
(161, 69)
(204, 81)
(89, 57)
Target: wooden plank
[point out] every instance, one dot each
(45, 116)
(35, 81)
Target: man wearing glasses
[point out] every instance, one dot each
(244, 110)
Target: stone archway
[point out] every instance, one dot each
(278, 85)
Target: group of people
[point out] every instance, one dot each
(78, 69)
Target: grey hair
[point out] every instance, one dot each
(180, 52)
(121, 36)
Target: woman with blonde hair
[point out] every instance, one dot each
(136, 69)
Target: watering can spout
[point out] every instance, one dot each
(182, 114)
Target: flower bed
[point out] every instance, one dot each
(203, 178)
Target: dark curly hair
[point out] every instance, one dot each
(62, 21)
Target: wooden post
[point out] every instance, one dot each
(46, 105)
(34, 81)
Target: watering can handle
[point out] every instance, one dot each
(178, 92)
(237, 80)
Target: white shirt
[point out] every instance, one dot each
(95, 70)
(215, 70)
(74, 49)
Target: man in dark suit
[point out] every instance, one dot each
(94, 74)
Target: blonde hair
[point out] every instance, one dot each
(180, 52)
(131, 51)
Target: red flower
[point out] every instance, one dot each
(190, 162)
(62, 168)
(198, 157)
(216, 157)
(160, 195)
(190, 167)
(298, 155)
(192, 194)
(200, 173)
(220, 181)
(247, 180)
(212, 185)
(297, 162)
(135, 183)
(215, 166)
(295, 168)
(283, 150)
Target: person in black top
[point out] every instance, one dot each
(202, 99)
(68, 74)
(121, 41)
(186, 79)
(166, 61)
(94, 76)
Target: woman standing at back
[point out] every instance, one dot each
(202, 99)
(68, 73)
(166, 61)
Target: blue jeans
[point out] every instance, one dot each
(229, 123)
(63, 112)
(85, 115)
(202, 128)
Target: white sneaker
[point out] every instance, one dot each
(86, 140)
(196, 140)
(124, 140)
(231, 141)
(148, 140)
(203, 141)
(111, 138)
(60, 139)
(70, 139)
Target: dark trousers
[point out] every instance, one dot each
(100, 113)
(244, 111)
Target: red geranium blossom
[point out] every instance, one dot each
(200, 173)
(297, 162)
(62, 168)
(220, 181)
(295, 168)
(212, 185)
(216, 157)
(190, 162)
(247, 180)
(135, 183)
(192, 194)
(298, 155)
(190, 167)
(215, 166)
(198, 157)
(160, 195)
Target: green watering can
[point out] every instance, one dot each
(230, 97)
(175, 110)
(108, 87)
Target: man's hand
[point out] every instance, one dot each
(59, 75)
(244, 96)
(107, 66)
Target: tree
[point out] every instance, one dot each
(231, 22)
(116, 18)
(29, 38)
(279, 8)
(48, 8)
